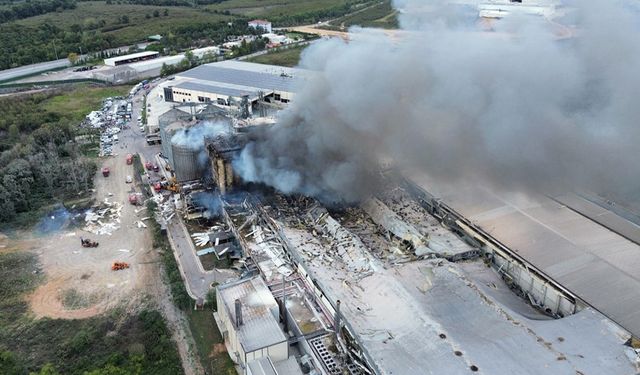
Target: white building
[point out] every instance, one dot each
(248, 317)
(227, 82)
(134, 57)
(276, 39)
(262, 24)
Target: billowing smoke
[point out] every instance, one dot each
(194, 137)
(529, 105)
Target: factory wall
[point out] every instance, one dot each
(182, 95)
(188, 95)
(541, 289)
(277, 352)
(228, 330)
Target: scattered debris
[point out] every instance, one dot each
(104, 218)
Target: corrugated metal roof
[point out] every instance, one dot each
(260, 327)
(265, 81)
(132, 56)
(218, 89)
(262, 366)
(288, 366)
(598, 265)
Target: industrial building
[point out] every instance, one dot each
(260, 24)
(249, 319)
(421, 278)
(222, 151)
(128, 59)
(575, 259)
(228, 82)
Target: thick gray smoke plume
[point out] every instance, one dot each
(525, 106)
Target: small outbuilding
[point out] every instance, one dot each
(249, 319)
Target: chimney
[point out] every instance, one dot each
(238, 313)
(336, 321)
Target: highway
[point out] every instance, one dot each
(33, 69)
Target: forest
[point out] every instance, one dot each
(40, 159)
(20, 10)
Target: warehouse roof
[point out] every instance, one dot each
(131, 56)
(218, 89)
(219, 73)
(593, 262)
(260, 327)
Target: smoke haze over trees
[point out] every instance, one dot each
(521, 107)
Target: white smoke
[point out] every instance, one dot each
(521, 107)
(194, 137)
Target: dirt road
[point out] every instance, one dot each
(85, 273)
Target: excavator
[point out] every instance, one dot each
(170, 184)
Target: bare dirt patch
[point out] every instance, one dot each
(79, 281)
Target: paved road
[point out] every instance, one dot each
(197, 280)
(33, 69)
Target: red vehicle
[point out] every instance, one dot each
(106, 171)
(129, 159)
(148, 165)
(134, 199)
(157, 186)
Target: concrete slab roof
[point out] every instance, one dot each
(218, 89)
(428, 317)
(234, 74)
(260, 327)
(592, 261)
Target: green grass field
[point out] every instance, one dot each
(138, 28)
(74, 105)
(117, 342)
(285, 57)
(210, 344)
(381, 15)
(272, 8)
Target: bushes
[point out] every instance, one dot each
(178, 291)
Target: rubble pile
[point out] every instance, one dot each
(348, 247)
(103, 219)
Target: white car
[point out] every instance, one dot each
(129, 179)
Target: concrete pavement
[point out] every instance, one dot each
(197, 280)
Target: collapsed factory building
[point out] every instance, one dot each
(413, 280)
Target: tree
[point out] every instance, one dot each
(9, 364)
(73, 58)
(124, 19)
(166, 12)
(156, 13)
(147, 16)
(48, 369)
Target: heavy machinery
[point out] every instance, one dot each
(117, 266)
(172, 185)
(85, 242)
